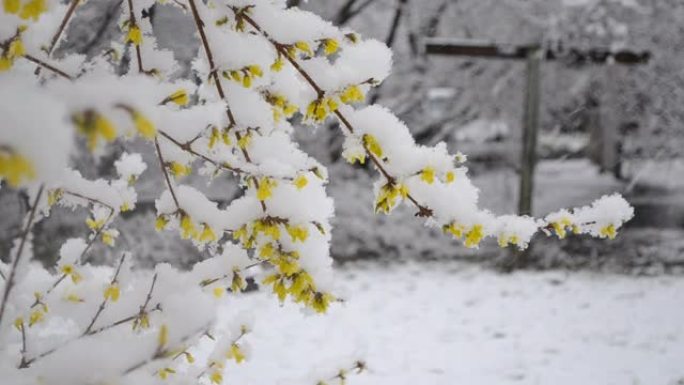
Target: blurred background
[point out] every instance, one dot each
(604, 127)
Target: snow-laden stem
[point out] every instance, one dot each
(423, 211)
(20, 251)
(106, 299)
(48, 66)
(132, 21)
(166, 174)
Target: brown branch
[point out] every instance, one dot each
(210, 58)
(48, 66)
(60, 30)
(166, 174)
(20, 251)
(106, 299)
(133, 23)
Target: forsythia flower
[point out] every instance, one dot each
(33, 9)
(70, 270)
(163, 337)
(265, 189)
(144, 126)
(94, 125)
(188, 229)
(450, 177)
(474, 236)
(321, 301)
(560, 226)
(165, 372)
(207, 234)
(608, 232)
(15, 169)
(109, 236)
(216, 377)
(134, 35)
(454, 229)
(352, 94)
(235, 353)
(112, 292)
(297, 233)
(219, 291)
(161, 222)
(304, 47)
(179, 97)
(238, 283)
(300, 182)
(428, 175)
(277, 65)
(372, 144)
(179, 170)
(330, 46)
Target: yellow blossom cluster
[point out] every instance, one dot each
(31, 9)
(473, 234)
(244, 76)
(15, 169)
(281, 107)
(15, 49)
(388, 195)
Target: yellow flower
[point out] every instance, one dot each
(255, 70)
(608, 231)
(15, 169)
(161, 223)
(352, 94)
(112, 292)
(454, 229)
(5, 63)
(19, 323)
(428, 175)
(560, 226)
(214, 137)
(33, 9)
(300, 182)
(165, 372)
(188, 229)
(94, 125)
(474, 236)
(219, 291)
(11, 6)
(244, 140)
(144, 126)
(95, 224)
(321, 301)
(179, 170)
(207, 234)
(163, 337)
(267, 251)
(330, 46)
(179, 97)
(372, 145)
(216, 377)
(450, 177)
(74, 298)
(247, 81)
(238, 283)
(235, 353)
(304, 47)
(265, 189)
(277, 65)
(134, 35)
(108, 237)
(36, 316)
(297, 233)
(16, 49)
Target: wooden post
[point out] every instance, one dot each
(530, 127)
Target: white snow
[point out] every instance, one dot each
(458, 324)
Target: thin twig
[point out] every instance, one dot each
(60, 30)
(166, 174)
(48, 66)
(20, 251)
(106, 299)
(132, 23)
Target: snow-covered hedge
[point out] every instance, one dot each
(260, 64)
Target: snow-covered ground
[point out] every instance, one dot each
(459, 324)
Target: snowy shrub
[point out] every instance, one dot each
(260, 65)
